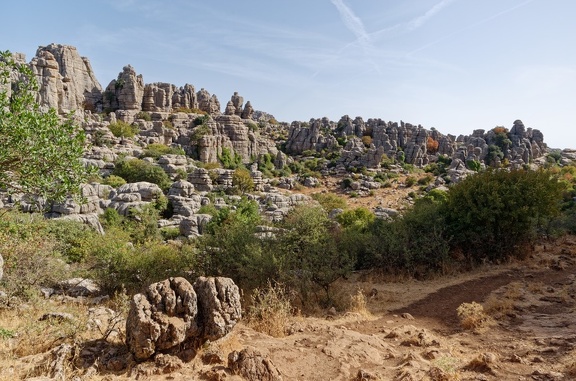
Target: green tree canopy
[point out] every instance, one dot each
(39, 153)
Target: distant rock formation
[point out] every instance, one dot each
(126, 92)
(67, 81)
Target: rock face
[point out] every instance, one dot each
(253, 366)
(126, 92)
(228, 132)
(66, 80)
(173, 314)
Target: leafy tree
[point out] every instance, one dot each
(39, 153)
(309, 253)
(242, 180)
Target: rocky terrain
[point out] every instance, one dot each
(350, 154)
(181, 329)
(408, 330)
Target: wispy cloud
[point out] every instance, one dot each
(473, 25)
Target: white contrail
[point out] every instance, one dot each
(352, 22)
(356, 26)
(419, 21)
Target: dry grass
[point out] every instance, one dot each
(270, 310)
(472, 317)
(359, 304)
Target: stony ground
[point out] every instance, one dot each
(409, 331)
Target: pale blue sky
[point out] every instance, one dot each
(456, 65)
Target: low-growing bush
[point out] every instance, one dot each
(135, 170)
(155, 150)
(122, 129)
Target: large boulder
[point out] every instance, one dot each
(219, 306)
(161, 318)
(173, 315)
(126, 92)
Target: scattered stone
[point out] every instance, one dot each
(167, 363)
(253, 366)
(407, 316)
(58, 316)
(79, 287)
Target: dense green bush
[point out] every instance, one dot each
(135, 170)
(122, 129)
(497, 213)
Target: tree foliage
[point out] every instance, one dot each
(39, 153)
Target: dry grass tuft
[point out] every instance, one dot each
(270, 310)
(359, 304)
(472, 317)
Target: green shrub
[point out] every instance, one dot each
(135, 170)
(242, 180)
(114, 181)
(155, 150)
(144, 115)
(228, 160)
(496, 214)
(122, 129)
(330, 201)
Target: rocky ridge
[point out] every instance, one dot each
(354, 150)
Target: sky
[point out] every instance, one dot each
(456, 65)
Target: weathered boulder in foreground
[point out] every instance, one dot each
(161, 318)
(173, 312)
(219, 307)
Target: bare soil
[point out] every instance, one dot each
(411, 331)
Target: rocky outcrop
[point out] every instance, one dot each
(133, 195)
(126, 92)
(304, 137)
(67, 81)
(253, 366)
(172, 315)
(165, 97)
(228, 132)
(208, 103)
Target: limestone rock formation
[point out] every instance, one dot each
(126, 92)
(248, 111)
(67, 81)
(165, 97)
(227, 132)
(133, 195)
(219, 306)
(161, 318)
(253, 366)
(173, 314)
(208, 103)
